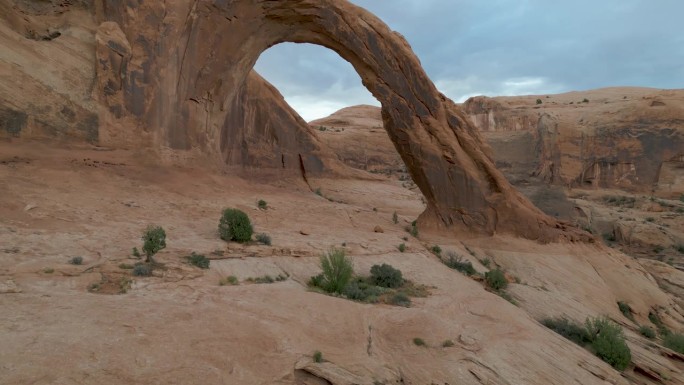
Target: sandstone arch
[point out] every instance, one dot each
(195, 60)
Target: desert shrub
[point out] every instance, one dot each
(229, 280)
(395, 218)
(625, 309)
(662, 329)
(680, 248)
(585, 100)
(337, 271)
(142, 270)
(447, 344)
(126, 266)
(539, 101)
(436, 250)
(608, 342)
(568, 329)
(485, 262)
(198, 260)
(400, 299)
(48, 270)
(264, 238)
(263, 279)
(359, 290)
(647, 332)
(402, 247)
(386, 276)
(76, 261)
(235, 225)
(456, 262)
(496, 279)
(262, 204)
(317, 357)
(419, 342)
(136, 253)
(674, 341)
(414, 230)
(154, 240)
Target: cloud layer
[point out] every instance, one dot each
(499, 47)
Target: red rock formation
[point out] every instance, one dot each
(177, 75)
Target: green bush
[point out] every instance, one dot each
(386, 276)
(154, 240)
(136, 253)
(230, 280)
(317, 357)
(198, 260)
(402, 247)
(608, 342)
(674, 341)
(456, 262)
(142, 270)
(395, 218)
(496, 280)
(539, 101)
(625, 309)
(647, 332)
(436, 250)
(337, 271)
(126, 266)
(262, 204)
(568, 329)
(360, 290)
(264, 238)
(76, 261)
(447, 344)
(486, 262)
(419, 342)
(235, 225)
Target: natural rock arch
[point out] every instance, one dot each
(208, 49)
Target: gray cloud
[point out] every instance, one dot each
(500, 47)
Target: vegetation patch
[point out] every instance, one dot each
(267, 279)
(264, 239)
(229, 280)
(647, 332)
(456, 262)
(235, 225)
(496, 280)
(620, 200)
(198, 260)
(419, 342)
(386, 284)
(601, 336)
(76, 261)
(262, 204)
(447, 344)
(142, 269)
(402, 247)
(674, 341)
(317, 357)
(626, 310)
(436, 250)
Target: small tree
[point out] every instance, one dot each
(539, 101)
(337, 271)
(235, 225)
(154, 240)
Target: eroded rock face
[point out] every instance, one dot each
(191, 60)
(626, 138)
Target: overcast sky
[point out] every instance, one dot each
(499, 47)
